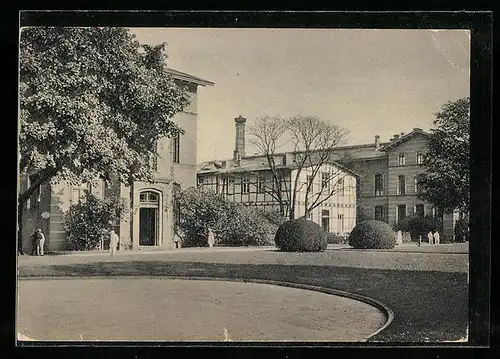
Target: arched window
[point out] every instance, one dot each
(149, 197)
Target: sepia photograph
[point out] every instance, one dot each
(243, 184)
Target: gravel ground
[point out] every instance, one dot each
(428, 292)
(184, 310)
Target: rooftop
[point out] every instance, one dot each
(189, 78)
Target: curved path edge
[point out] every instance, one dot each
(388, 312)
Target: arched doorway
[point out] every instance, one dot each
(149, 218)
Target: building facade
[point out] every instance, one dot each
(248, 180)
(386, 175)
(151, 214)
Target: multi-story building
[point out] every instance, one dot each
(248, 180)
(152, 215)
(386, 175)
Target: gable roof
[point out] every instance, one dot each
(179, 75)
(404, 138)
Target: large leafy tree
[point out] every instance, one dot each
(446, 180)
(92, 104)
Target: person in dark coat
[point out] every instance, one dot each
(33, 241)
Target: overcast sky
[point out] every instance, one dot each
(369, 81)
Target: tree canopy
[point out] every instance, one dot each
(446, 180)
(92, 104)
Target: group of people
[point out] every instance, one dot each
(433, 238)
(37, 242)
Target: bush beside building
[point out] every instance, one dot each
(300, 235)
(372, 235)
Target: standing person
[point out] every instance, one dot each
(211, 238)
(33, 241)
(436, 237)
(113, 242)
(430, 236)
(40, 241)
(399, 238)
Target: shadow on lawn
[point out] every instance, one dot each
(428, 306)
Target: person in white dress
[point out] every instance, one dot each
(430, 237)
(399, 238)
(113, 242)
(40, 241)
(211, 238)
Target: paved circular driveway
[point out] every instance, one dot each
(142, 309)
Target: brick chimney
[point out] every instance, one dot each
(239, 149)
(377, 142)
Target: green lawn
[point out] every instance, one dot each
(429, 305)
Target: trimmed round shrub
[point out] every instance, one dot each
(300, 235)
(372, 235)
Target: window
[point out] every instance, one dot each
(149, 197)
(153, 160)
(224, 184)
(325, 220)
(340, 187)
(401, 159)
(401, 185)
(310, 184)
(79, 192)
(177, 205)
(401, 210)
(245, 185)
(230, 184)
(379, 185)
(419, 210)
(379, 213)
(34, 199)
(340, 220)
(420, 158)
(325, 181)
(200, 181)
(176, 148)
(280, 183)
(418, 184)
(261, 184)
